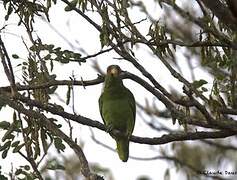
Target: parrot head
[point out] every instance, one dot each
(113, 78)
(114, 70)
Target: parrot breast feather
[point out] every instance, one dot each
(118, 109)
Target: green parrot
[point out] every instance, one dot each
(118, 109)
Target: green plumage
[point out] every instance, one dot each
(118, 109)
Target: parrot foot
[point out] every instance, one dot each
(109, 128)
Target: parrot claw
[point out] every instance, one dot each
(109, 128)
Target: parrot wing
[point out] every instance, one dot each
(101, 106)
(132, 105)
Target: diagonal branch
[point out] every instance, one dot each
(96, 54)
(83, 15)
(7, 65)
(52, 127)
(222, 12)
(33, 165)
(186, 15)
(142, 140)
(184, 44)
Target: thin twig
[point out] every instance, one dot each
(96, 54)
(7, 66)
(219, 145)
(33, 165)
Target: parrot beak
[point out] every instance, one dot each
(114, 71)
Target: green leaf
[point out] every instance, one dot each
(17, 148)
(48, 4)
(77, 55)
(6, 17)
(15, 144)
(8, 134)
(53, 164)
(9, 11)
(4, 153)
(18, 171)
(28, 176)
(143, 177)
(199, 83)
(14, 116)
(43, 140)
(58, 143)
(36, 150)
(167, 175)
(204, 89)
(50, 47)
(104, 38)
(51, 65)
(68, 95)
(27, 168)
(47, 57)
(58, 49)
(63, 60)
(4, 125)
(55, 167)
(72, 5)
(5, 146)
(15, 56)
(2, 104)
(2, 177)
(33, 48)
(173, 120)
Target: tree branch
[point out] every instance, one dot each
(83, 15)
(219, 35)
(222, 12)
(96, 54)
(184, 44)
(54, 129)
(33, 165)
(182, 136)
(19, 87)
(7, 65)
(165, 157)
(178, 114)
(143, 140)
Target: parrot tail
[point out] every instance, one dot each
(123, 148)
